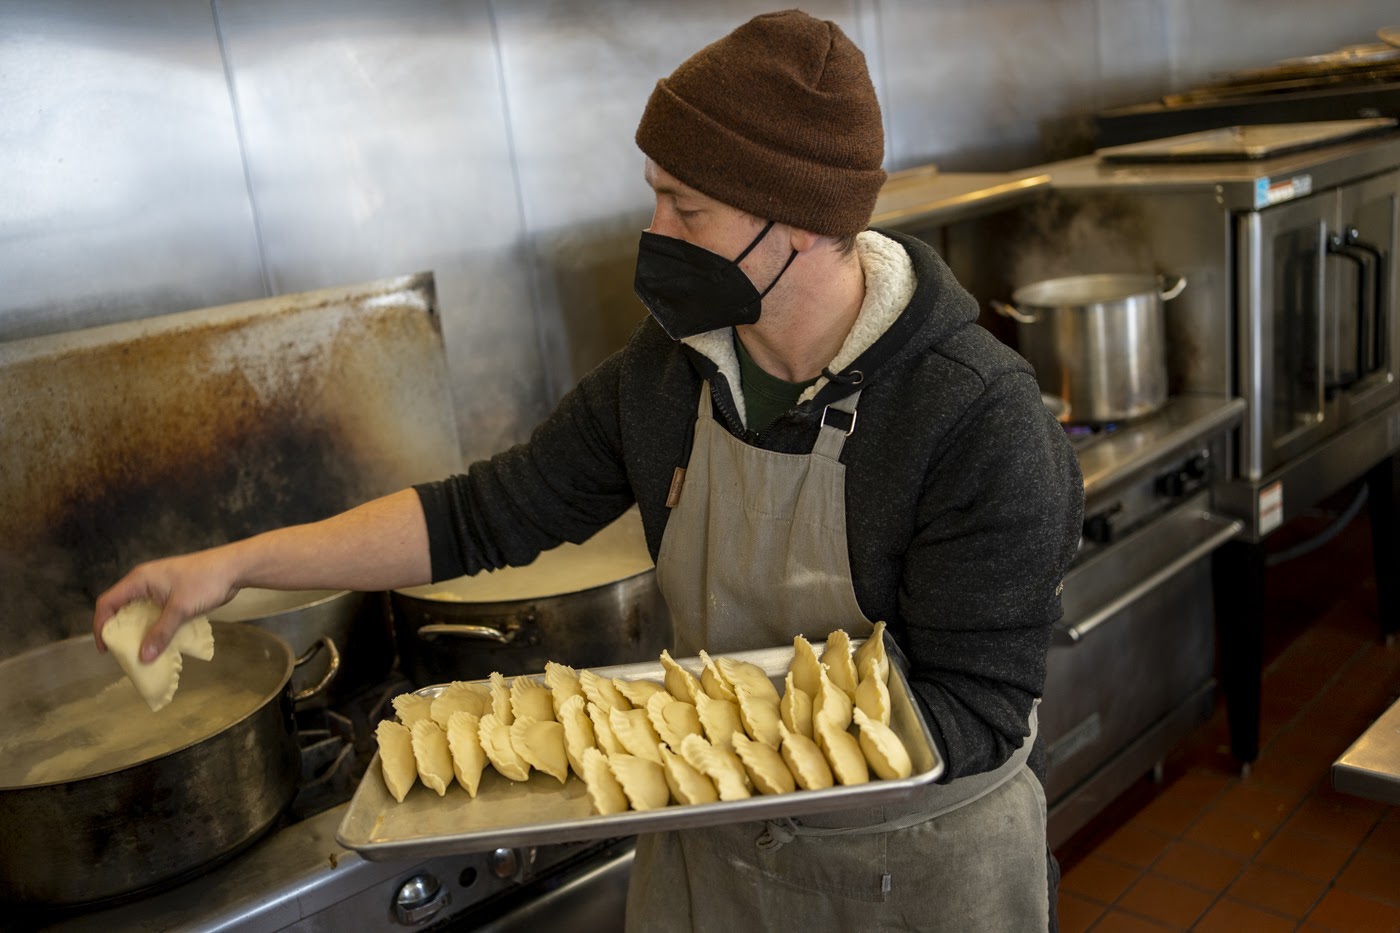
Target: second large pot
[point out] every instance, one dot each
(583, 605)
(1097, 341)
(341, 638)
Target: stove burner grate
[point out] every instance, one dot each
(337, 744)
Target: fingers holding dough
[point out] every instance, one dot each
(158, 680)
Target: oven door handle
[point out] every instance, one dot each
(1343, 245)
(1378, 361)
(1215, 531)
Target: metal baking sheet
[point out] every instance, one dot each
(541, 810)
(1245, 142)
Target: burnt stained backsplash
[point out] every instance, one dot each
(285, 471)
(157, 437)
(41, 596)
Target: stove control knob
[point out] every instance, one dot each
(1099, 528)
(419, 898)
(504, 863)
(1185, 479)
(1173, 485)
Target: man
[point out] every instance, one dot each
(818, 436)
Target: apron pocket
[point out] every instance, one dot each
(846, 866)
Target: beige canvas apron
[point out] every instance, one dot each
(754, 553)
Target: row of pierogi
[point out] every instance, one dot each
(639, 744)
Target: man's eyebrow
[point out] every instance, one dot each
(669, 189)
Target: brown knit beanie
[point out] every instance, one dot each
(779, 119)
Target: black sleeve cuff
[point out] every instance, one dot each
(444, 547)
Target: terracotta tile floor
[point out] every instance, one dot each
(1280, 850)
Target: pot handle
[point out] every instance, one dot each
(482, 632)
(1169, 293)
(332, 652)
(1011, 311)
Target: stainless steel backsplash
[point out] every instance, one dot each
(164, 155)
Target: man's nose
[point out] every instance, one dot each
(663, 222)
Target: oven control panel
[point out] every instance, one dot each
(1110, 518)
(1186, 478)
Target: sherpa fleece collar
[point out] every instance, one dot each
(889, 284)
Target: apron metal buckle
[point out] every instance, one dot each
(837, 416)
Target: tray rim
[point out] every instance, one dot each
(672, 817)
(1312, 134)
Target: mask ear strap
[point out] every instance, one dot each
(756, 240)
(778, 276)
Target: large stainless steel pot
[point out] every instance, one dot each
(348, 630)
(122, 799)
(1097, 341)
(584, 605)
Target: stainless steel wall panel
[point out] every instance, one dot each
(1135, 43)
(969, 82)
(162, 155)
(377, 144)
(123, 192)
(1209, 37)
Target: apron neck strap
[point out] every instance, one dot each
(838, 421)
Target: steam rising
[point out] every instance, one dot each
(42, 598)
(1064, 236)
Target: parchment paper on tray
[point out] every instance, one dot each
(541, 810)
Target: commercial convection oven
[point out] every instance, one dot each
(1288, 235)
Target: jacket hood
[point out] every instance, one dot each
(912, 301)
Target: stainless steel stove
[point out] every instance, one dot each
(1130, 669)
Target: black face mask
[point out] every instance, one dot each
(690, 290)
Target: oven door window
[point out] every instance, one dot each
(1296, 405)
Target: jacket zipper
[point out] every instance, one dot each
(731, 417)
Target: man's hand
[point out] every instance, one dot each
(184, 587)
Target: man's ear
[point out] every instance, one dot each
(803, 240)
